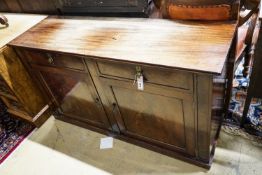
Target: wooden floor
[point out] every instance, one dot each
(58, 148)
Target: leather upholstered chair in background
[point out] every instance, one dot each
(244, 13)
(198, 9)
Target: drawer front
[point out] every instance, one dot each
(54, 59)
(159, 76)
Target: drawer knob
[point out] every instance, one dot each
(50, 59)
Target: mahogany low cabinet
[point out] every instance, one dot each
(173, 112)
(141, 80)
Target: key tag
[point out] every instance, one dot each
(140, 83)
(139, 79)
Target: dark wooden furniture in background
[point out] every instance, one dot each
(37, 6)
(17, 90)
(255, 86)
(112, 7)
(90, 77)
(69, 7)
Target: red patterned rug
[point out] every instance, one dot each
(12, 133)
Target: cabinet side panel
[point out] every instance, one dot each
(204, 103)
(20, 82)
(218, 104)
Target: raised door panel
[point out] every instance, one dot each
(138, 114)
(163, 116)
(75, 95)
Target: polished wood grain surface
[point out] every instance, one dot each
(200, 47)
(18, 24)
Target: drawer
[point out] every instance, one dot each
(54, 59)
(159, 76)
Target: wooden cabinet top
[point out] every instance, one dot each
(196, 46)
(18, 24)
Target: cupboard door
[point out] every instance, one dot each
(75, 95)
(157, 114)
